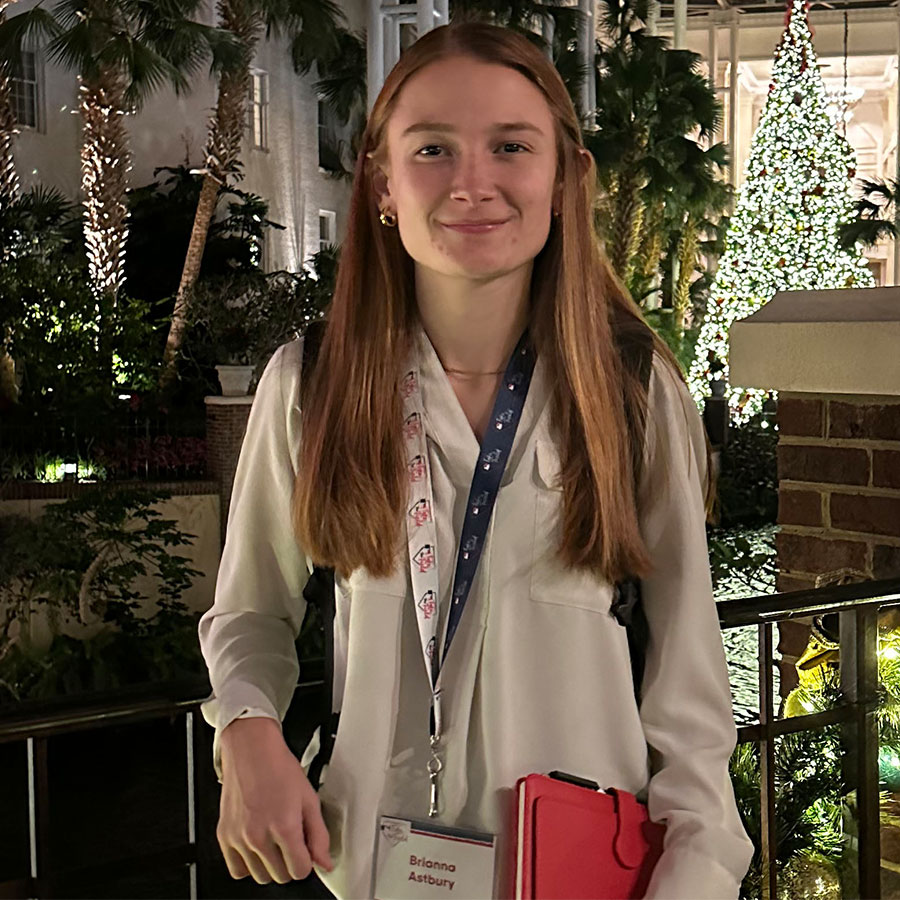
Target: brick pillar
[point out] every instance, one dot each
(838, 497)
(226, 422)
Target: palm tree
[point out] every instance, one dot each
(9, 181)
(342, 84)
(523, 16)
(877, 213)
(648, 99)
(703, 194)
(122, 51)
(312, 28)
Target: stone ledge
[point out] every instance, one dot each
(813, 341)
(215, 400)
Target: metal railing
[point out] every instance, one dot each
(856, 604)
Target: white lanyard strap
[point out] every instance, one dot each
(422, 530)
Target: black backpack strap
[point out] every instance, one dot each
(627, 605)
(319, 592)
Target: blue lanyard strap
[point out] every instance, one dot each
(496, 446)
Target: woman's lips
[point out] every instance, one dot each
(475, 229)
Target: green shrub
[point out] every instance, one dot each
(80, 561)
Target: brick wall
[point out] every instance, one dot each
(839, 497)
(226, 422)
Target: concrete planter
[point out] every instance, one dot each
(235, 380)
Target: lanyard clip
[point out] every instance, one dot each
(434, 769)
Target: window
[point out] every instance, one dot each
(329, 146)
(24, 90)
(259, 109)
(327, 228)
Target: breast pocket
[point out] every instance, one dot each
(551, 581)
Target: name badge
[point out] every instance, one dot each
(420, 861)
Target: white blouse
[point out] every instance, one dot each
(538, 677)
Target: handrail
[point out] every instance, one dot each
(140, 702)
(148, 701)
(813, 601)
(35, 722)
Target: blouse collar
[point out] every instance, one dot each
(446, 423)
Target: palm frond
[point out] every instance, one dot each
(33, 26)
(343, 81)
(312, 26)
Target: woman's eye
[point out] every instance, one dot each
(438, 147)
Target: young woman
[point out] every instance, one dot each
(471, 272)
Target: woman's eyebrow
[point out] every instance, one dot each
(445, 126)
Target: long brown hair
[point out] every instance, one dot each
(351, 489)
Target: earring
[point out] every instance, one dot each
(388, 218)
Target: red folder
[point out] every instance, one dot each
(578, 842)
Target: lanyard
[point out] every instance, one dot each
(422, 531)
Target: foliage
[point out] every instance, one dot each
(145, 44)
(742, 561)
(783, 234)
(41, 224)
(808, 791)
(53, 330)
(658, 177)
(747, 491)
(681, 343)
(242, 318)
(81, 561)
(874, 214)
(342, 85)
(161, 217)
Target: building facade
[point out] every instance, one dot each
(290, 131)
(286, 153)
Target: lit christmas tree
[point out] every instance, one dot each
(784, 231)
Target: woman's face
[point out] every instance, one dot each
(470, 142)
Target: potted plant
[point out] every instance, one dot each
(237, 321)
(225, 326)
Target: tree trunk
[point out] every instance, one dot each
(205, 210)
(105, 163)
(9, 180)
(648, 255)
(626, 236)
(687, 253)
(652, 239)
(223, 149)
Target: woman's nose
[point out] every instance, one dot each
(473, 179)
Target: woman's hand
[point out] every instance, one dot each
(270, 821)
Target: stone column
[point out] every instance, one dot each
(226, 422)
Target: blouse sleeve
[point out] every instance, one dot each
(686, 709)
(247, 636)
